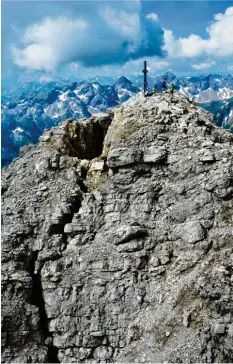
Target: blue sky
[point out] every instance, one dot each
(83, 39)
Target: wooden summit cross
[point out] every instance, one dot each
(145, 71)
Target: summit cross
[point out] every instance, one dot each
(145, 71)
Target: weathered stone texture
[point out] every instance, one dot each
(124, 256)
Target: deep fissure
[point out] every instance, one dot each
(53, 354)
(37, 299)
(83, 187)
(92, 135)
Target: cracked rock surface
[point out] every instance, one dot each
(117, 239)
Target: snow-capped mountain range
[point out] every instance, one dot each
(203, 88)
(223, 111)
(31, 107)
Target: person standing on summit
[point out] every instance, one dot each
(171, 90)
(164, 85)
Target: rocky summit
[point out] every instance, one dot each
(117, 239)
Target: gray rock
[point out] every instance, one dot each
(154, 154)
(230, 330)
(190, 232)
(126, 233)
(123, 157)
(45, 138)
(208, 156)
(219, 329)
(97, 166)
(114, 250)
(132, 246)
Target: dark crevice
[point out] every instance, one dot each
(81, 181)
(82, 185)
(228, 197)
(100, 135)
(143, 261)
(91, 133)
(64, 240)
(53, 354)
(37, 299)
(135, 276)
(75, 206)
(4, 189)
(84, 173)
(208, 248)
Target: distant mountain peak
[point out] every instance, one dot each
(34, 106)
(169, 74)
(123, 81)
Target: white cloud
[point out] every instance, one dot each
(123, 22)
(218, 44)
(170, 45)
(230, 68)
(203, 65)
(49, 43)
(112, 35)
(152, 16)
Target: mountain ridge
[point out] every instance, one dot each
(40, 106)
(121, 252)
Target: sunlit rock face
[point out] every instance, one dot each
(117, 239)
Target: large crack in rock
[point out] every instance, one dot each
(83, 138)
(37, 296)
(50, 189)
(134, 243)
(37, 299)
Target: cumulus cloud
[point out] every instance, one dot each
(113, 36)
(203, 65)
(152, 16)
(123, 22)
(49, 43)
(230, 68)
(218, 44)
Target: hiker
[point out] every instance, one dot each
(171, 90)
(154, 89)
(164, 85)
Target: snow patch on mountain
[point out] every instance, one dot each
(212, 95)
(31, 108)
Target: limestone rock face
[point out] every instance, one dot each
(117, 239)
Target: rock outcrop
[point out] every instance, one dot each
(117, 239)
